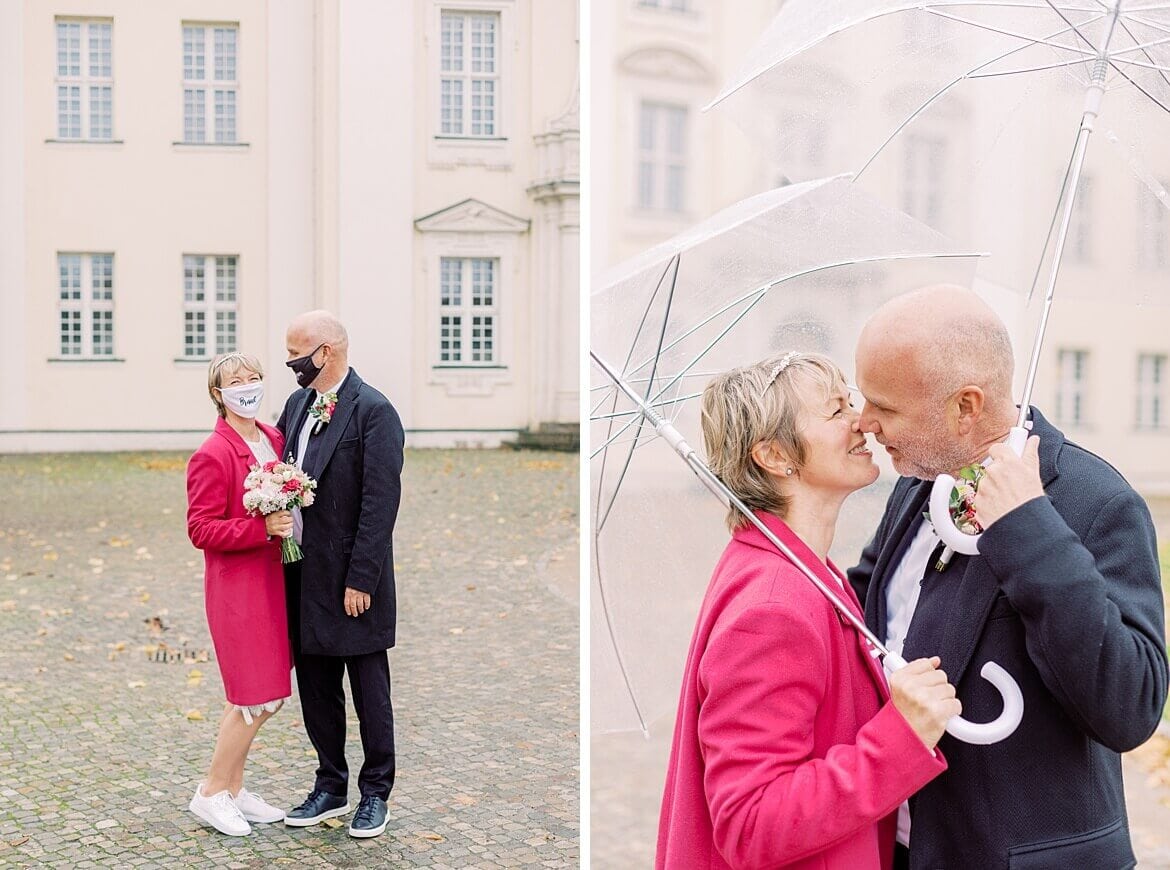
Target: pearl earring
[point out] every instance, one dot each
(788, 471)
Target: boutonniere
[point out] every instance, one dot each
(322, 410)
(962, 507)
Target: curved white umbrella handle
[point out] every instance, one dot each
(981, 733)
(940, 503)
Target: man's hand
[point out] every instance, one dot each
(1008, 481)
(356, 602)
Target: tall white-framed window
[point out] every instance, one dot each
(924, 161)
(85, 305)
(210, 83)
(1079, 244)
(662, 156)
(468, 311)
(1072, 386)
(469, 74)
(85, 79)
(1153, 241)
(673, 5)
(210, 304)
(1153, 402)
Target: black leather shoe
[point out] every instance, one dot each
(317, 807)
(370, 818)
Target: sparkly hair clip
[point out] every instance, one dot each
(785, 361)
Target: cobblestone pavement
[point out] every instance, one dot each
(101, 747)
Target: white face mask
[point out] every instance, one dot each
(244, 399)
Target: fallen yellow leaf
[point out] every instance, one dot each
(194, 716)
(135, 684)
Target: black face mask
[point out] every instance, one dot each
(304, 368)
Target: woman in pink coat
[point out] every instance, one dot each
(243, 587)
(789, 751)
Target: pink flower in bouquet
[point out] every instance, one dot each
(278, 486)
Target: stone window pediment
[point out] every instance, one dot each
(471, 216)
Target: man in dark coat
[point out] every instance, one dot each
(1065, 595)
(347, 436)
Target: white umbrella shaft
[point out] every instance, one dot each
(675, 439)
(1092, 107)
(969, 732)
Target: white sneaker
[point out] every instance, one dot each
(255, 809)
(221, 812)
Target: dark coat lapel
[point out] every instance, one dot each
(292, 437)
(899, 539)
(346, 402)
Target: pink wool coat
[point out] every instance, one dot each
(243, 579)
(787, 750)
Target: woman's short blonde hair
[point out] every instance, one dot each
(225, 365)
(749, 405)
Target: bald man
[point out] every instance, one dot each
(341, 601)
(1065, 595)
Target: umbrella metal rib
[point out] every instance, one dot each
(758, 295)
(603, 516)
(1030, 40)
(713, 483)
(971, 73)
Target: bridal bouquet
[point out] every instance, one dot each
(279, 486)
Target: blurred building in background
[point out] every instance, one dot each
(180, 180)
(659, 164)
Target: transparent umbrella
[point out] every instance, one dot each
(972, 88)
(796, 268)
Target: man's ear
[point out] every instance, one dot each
(768, 456)
(967, 407)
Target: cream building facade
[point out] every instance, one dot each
(660, 164)
(181, 179)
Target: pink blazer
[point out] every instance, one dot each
(787, 750)
(243, 577)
